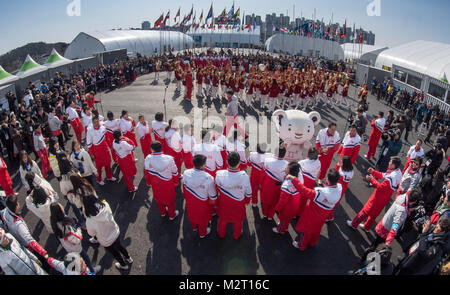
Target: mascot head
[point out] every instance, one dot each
(295, 127)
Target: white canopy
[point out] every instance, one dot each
(430, 58)
(305, 46)
(135, 41)
(357, 51)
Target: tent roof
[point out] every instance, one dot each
(355, 51)
(56, 60)
(30, 67)
(3, 73)
(430, 58)
(6, 77)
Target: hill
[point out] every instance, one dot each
(13, 60)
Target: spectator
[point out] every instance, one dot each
(434, 159)
(100, 223)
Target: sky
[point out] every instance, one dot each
(399, 21)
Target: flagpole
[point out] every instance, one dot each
(314, 33)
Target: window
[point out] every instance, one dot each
(436, 91)
(386, 68)
(448, 97)
(414, 81)
(400, 75)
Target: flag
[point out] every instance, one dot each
(201, 17)
(159, 20)
(210, 13)
(338, 32)
(176, 16)
(222, 16)
(361, 37)
(236, 15)
(231, 12)
(345, 30)
(167, 17)
(249, 26)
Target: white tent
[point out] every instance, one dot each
(56, 60)
(305, 46)
(362, 51)
(5, 77)
(226, 37)
(430, 58)
(135, 41)
(29, 68)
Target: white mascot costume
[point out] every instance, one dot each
(296, 129)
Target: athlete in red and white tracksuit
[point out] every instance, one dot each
(199, 192)
(161, 174)
(98, 147)
(309, 171)
(413, 153)
(214, 160)
(287, 206)
(5, 179)
(256, 161)
(350, 146)
(322, 202)
(111, 126)
(273, 171)
(327, 144)
(124, 150)
(380, 197)
(344, 180)
(127, 127)
(145, 137)
(238, 147)
(187, 144)
(174, 149)
(159, 130)
(235, 193)
(375, 135)
(41, 150)
(75, 122)
(221, 141)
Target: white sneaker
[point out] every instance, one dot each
(120, 267)
(102, 183)
(294, 243)
(361, 225)
(275, 230)
(176, 214)
(349, 223)
(112, 179)
(97, 269)
(208, 231)
(129, 260)
(93, 241)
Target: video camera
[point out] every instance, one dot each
(388, 134)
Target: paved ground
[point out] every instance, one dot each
(159, 246)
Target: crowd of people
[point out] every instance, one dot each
(214, 180)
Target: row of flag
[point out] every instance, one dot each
(231, 16)
(313, 30)
(310, 29)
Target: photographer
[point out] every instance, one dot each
(360, 122)
(434, 160)
(392, 146)
(426, 254)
